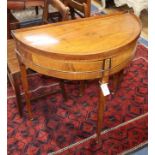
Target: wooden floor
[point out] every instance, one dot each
(111, 8)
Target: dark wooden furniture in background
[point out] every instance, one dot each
(79, 7)
(50, 17)
(12, 22)
(13, 69)
(78, 50)
(13, 72)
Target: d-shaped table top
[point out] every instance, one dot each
(93, 37)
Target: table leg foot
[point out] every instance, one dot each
(101, 106)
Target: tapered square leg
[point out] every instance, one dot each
(101, 107)
(17, 93)
(24, 81)
(102, 98)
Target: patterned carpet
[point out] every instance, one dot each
(69, 127)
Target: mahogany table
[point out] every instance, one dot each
(90, 48)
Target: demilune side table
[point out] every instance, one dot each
(83, 49)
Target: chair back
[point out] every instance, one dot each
(80, 7)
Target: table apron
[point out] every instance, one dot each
(74, 70)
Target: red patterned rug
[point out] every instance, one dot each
(69, 127)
